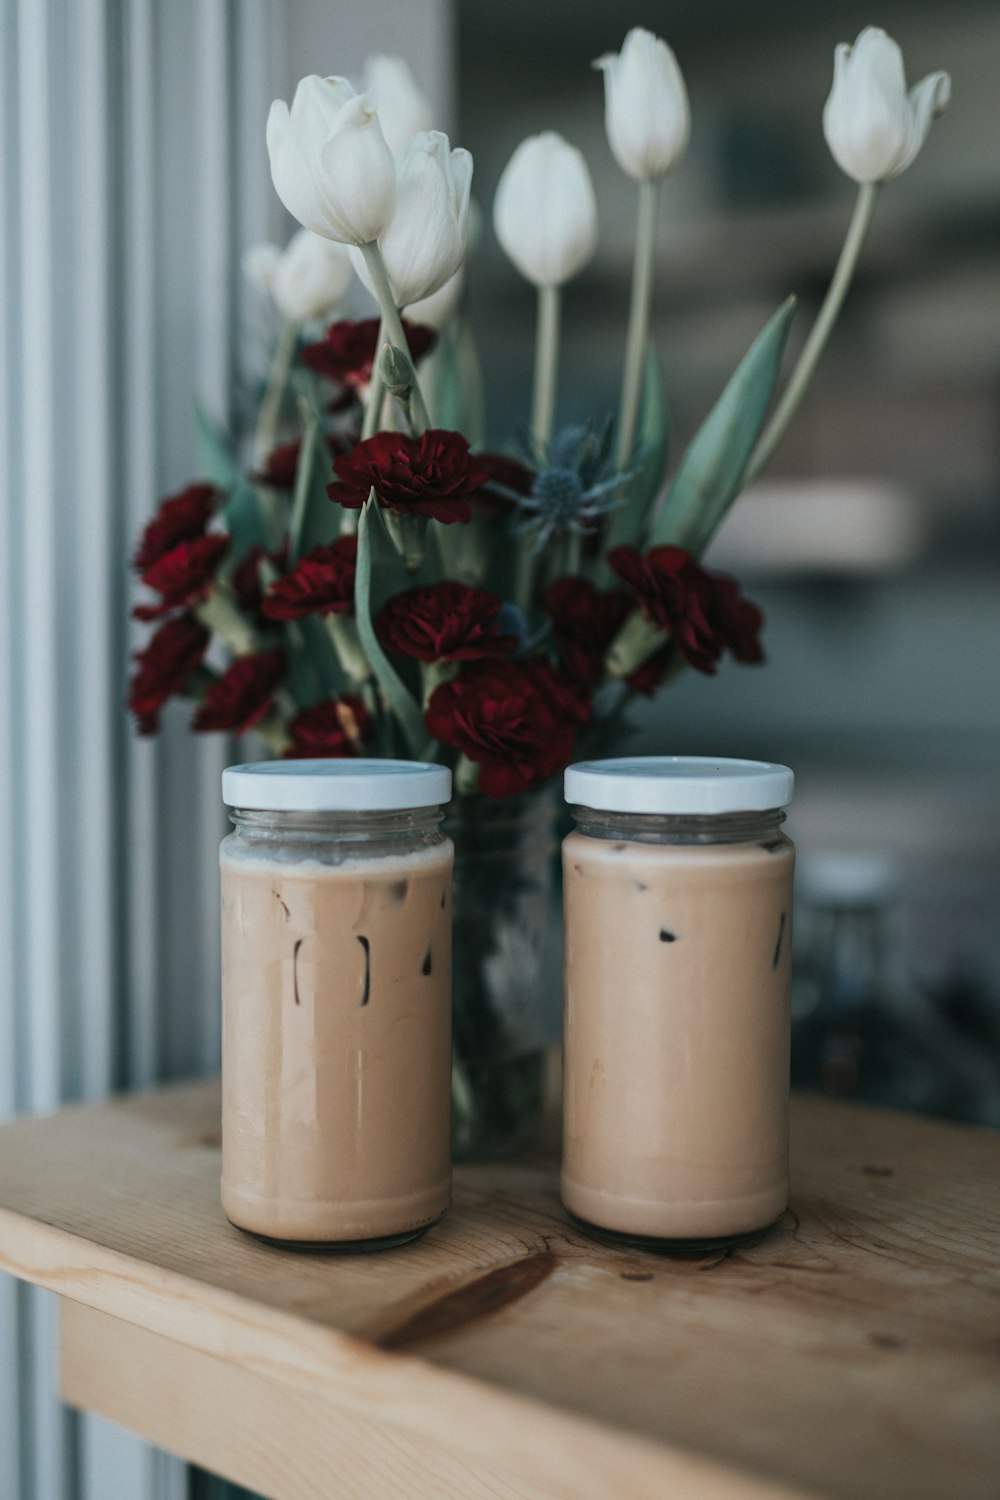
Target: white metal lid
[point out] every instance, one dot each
(336, 785)
(678, 784)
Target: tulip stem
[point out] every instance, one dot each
(638, 318)
(546, 366)
(376, 390)
(392, 328)
(270, 409)
(819, 333)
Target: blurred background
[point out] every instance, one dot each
(134, 175)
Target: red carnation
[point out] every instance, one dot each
(280, 466)
(489, 502)
(426, 476)
(346, 352)
(322, 581)
(586, 621)
(183, 575)
(248, 588)
(180, 518)
(505, 716)
(243, 694)
(444, 622)
(704, 612)
(335, 728)
(170, 657)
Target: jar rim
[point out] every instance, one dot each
(355, 785)
(678, 784)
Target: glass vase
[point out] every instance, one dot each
(506, 969)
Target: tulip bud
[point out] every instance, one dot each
(425, 242)
(544, 212)
(330, 164)
(310, 278)
(873, 127)
(259, 264)
(403, 111)
(646, 113)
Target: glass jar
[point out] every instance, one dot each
(336, 996)
(677, 886)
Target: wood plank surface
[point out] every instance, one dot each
(854, 1353)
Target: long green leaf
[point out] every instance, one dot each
(711, 472)
(398, 697)
(246, 521)
(215, 451)
(651, 447)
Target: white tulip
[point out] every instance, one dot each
(435, 310)
(403, 111)
(330, 164)
(311, 277)
(259, 263)
(646, 112)
(873, 127)
(544, 212)
(426, 239)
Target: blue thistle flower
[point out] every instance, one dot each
(575, 485)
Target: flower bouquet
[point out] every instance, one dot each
(365, 578)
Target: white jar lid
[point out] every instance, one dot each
(336, 785)
(678, 784)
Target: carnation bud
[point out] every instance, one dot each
(397, 372)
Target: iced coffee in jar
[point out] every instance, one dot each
(678, 910)
(336, 993)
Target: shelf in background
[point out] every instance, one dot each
(853, 1354)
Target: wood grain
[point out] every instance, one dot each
(854, 1353)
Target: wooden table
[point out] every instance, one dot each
(855, 1353)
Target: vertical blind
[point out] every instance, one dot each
(132, 176)
(132, 172)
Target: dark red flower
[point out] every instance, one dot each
(321, 582)
(170, 657)
(247, 586)
(650, 674)
(334, 728)
(737, 620)
(444, 622)
(183, 575)
(501, 470)
(280, 466)
(507, 717)
(586, 620)
(347, 350)
(243, 694)
(180, 518)
(427, 476)
(704, 612)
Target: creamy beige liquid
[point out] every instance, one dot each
(677, 1036)
(336, 985)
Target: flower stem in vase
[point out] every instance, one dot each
(266, 431)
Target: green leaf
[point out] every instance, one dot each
(245, 519)
(398, 697)
(215, 451)
(651, 448)
(321, 516)
(452, 382)
(711, 472)
(300, 494)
